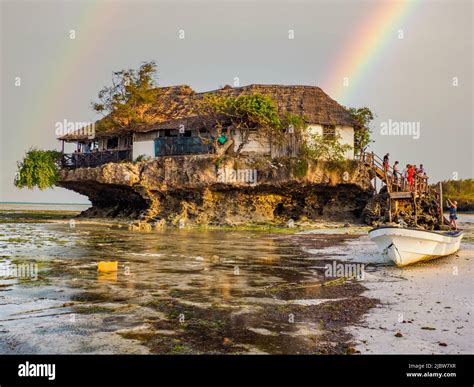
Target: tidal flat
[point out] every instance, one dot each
(194, 291)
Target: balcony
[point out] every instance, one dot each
(176, 146)
(95, 159)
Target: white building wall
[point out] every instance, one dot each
(147, 136)
(346, 134)
(315, 129)
(347, 137)
(312, 130)
(146, 148)
(256, 144)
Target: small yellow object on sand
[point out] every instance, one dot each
(107, 267)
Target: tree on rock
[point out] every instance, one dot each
(125, 104)
(38, 168)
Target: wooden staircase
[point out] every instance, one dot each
(395, 188)
(375, 162)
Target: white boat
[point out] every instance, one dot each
(405, 246)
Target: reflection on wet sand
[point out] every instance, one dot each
(175, 291)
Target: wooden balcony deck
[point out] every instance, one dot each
(95, 159)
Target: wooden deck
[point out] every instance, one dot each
(394, 184)
(401, 195)
(397, 188)
(95, 159)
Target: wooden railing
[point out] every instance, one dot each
(177, 146)
(387, 176)
(95, 159)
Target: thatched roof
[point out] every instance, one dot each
(172, 102)
(177, 106)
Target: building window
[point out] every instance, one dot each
(329, 132)
(112, 143)
(169, 133)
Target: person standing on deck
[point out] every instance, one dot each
(385, 167)
(425, 181)
(422, 178)
(453, 208)
(415, 177)
(396, 174)
(411, 176)
(404, 177)
(385, 163)
(421, 170)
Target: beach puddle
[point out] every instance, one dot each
(175, 291)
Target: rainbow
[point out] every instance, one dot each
(71, 57)
(360, 53)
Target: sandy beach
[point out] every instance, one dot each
(424, 309)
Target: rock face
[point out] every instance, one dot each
(223, 190)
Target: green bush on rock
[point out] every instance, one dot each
(38, 168)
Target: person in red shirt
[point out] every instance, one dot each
(410, 176)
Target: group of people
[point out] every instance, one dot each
(88, 148)
(406, 179)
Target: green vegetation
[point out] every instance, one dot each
(295, 122)
(141, 158)
(319, 147)
(244, 113)
(38, 168)
(363, 116)
(300, 168)
(460, 190)
(125, 103)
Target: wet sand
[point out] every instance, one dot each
(176, 291)
(425, 309)
(211, 291)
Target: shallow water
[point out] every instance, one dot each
(175, 291)
(171, 289)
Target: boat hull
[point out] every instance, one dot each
(405, 246)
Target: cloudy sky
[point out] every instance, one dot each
(409, 62)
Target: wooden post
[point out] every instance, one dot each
(441, 204)
(414, 207)
(389, 209)
(414, 201)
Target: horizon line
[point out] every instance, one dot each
(57, 204)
